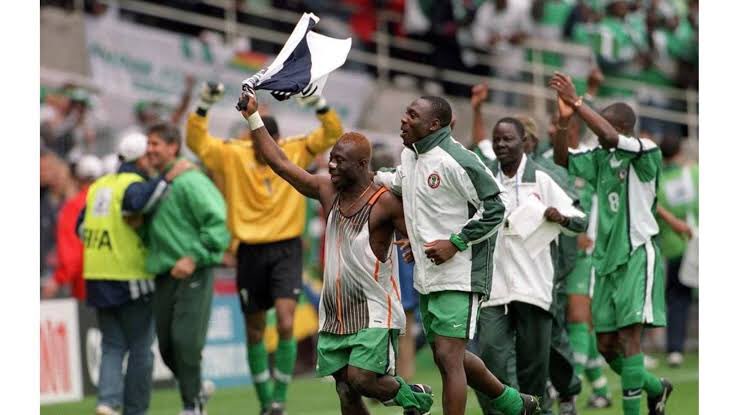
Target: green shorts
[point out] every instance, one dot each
(580, 279)
(370, 349)
(633, 294)
(449, 314)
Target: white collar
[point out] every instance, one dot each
(519, 171)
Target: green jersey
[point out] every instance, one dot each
(683, 42)
(625, 181)
(616, 44)
(554, 14)
(678, 193)
(190, 221)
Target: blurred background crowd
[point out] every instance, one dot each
(641, 51)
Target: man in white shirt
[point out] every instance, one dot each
(516, 322)
(501, 26)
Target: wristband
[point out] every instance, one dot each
(255, 121)
(458, 242)
(322, 106)
(202, 104)
(578, 103)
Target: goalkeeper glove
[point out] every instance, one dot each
(211, 93)
(314, 101)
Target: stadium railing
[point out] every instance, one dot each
(535, 92)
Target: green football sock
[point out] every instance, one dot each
(509, 402)
(652, 384)
(632, 380)
(287, 351)
(617, 365)
(407, 398)
(594, 368)
(580, 342)
(259, 366)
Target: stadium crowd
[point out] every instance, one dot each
(652, 41)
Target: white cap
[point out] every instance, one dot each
(132, 146)
(110, 163)
(88, 167)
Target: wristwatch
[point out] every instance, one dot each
(578, 103)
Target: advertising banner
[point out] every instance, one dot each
(224, 356)
(61, 377)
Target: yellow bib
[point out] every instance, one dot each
(112, 249)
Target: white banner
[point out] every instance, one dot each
(131, 62)
(61, 373)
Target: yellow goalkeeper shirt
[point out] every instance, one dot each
(261, 206)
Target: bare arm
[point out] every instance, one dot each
(595, 79)
(179, 112)
(607, 135)
(679, 226)
(394, 205)
(559, 141)
(304, 182)
(479, 94)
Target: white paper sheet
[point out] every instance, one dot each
(529, 223)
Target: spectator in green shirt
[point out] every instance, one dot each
(186, 238)
(677, 212)
(620, 45)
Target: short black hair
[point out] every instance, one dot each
(621, 115)
(440, 109)
(270, 123)
(167, 131)
(670, 146)
(520, 129)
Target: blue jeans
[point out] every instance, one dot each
(126, 328)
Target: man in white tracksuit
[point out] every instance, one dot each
(516, 322)
(453, 206)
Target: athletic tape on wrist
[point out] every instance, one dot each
(204, 105)
(458, 242)
(255, 121)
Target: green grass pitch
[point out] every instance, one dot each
(309, 396)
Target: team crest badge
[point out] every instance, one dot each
(622, 174)
(434, 180)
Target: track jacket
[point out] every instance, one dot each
(447, 190)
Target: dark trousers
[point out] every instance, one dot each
(679, 298)
(182, 312)
(561, 361)
(515, 346)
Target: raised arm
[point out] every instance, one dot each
(207, 147)
(559, 141)
(304, 182)
(479, 95)
(607, 135)
(179, 112)
(325, 136)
